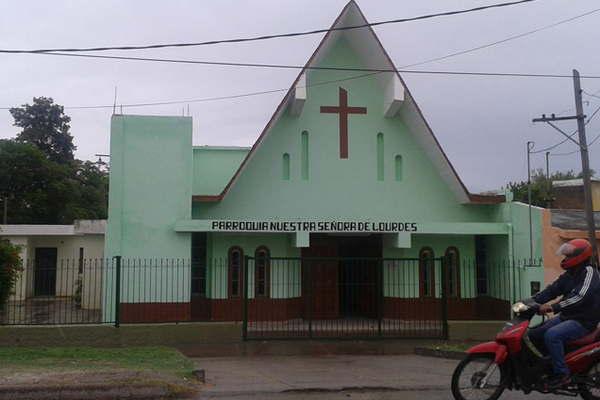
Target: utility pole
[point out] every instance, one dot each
(585, 165)
(5, 218)
(530, 146)
(549, 182)
(585, 162)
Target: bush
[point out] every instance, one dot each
(10, 268)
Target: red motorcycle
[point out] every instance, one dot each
(513, 362)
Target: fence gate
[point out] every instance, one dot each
(333, 297)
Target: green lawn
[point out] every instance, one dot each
(451, 346)
(147, 359)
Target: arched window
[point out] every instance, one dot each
(380, 159)
(285, 174)
(304, 159)
(235, 260)
(398, 167)
(452, 275)
(426, 272)
(262, 261)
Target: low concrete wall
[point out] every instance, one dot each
(127, 335)
(474, 330)
(223, 339)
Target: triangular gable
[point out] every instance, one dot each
(366, 43)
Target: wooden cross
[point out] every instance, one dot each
(343, 110)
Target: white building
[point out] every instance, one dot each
(60, 260)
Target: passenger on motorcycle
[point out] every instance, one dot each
(579, 307)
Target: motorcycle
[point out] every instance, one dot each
(512, 361)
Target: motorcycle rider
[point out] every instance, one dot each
(579, 308)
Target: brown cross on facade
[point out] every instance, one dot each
(343, 110)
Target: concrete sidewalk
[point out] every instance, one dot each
(255, 375)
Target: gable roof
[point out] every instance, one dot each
(376, 57)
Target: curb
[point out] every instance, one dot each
(95, 392)
(352, 389)
(450, 354)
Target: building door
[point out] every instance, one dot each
(320, 275)
(358, 275)
(45, 271)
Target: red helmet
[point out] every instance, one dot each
(576, 251)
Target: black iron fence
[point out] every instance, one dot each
(273, 297)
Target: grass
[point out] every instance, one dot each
(450, 346)
(147, 359)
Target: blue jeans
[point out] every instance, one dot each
(555, 333)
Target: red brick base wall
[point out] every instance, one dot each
(266, 309)
(155, 312)
(478, 308)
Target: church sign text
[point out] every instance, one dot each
(311, 226)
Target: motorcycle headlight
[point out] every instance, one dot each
(519, 307)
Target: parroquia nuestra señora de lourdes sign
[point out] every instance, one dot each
(308, 226)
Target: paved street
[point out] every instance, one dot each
(374, 395)
(332, 377)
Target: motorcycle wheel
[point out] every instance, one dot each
(593, 374)
(469, 372)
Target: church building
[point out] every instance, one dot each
(346, 206)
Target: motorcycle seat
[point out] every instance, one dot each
(590, 338)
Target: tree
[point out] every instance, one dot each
(39, 174)
(10, 268)
(41, 191)
(47, 127)
(90, 201)
(541, 186)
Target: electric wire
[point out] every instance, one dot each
(273, 36)
(507, 39)
(570, 136)
(346, 69)
(577, 151)
(487, 45)
(207, 99)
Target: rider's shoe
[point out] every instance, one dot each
(557, 381)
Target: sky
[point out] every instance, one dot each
(482, 123)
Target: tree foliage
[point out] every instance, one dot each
(10, 267)
(39, 176)
(541, 186)
(47, 127)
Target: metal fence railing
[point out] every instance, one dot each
(270, 296)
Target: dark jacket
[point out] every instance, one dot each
(580, 291)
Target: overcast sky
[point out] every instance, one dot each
(481, 122)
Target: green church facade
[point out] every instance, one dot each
(346, 169)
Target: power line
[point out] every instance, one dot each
(577, 151)
(207, 99)
(487, 45)
(570, 136)
(592, 94)
(513, 37)
(273, 36)
(461, 52)
(345, 69)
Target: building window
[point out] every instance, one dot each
(481, 265)
(261, 272)
(426, 273)
(398, 167)
(380, 159)
(286, 167)
(304, 160)
(452, 266)
(199, 264)
(80, 260)
(235, 260)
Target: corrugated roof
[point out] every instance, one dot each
(572, 219)
(571, 182)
